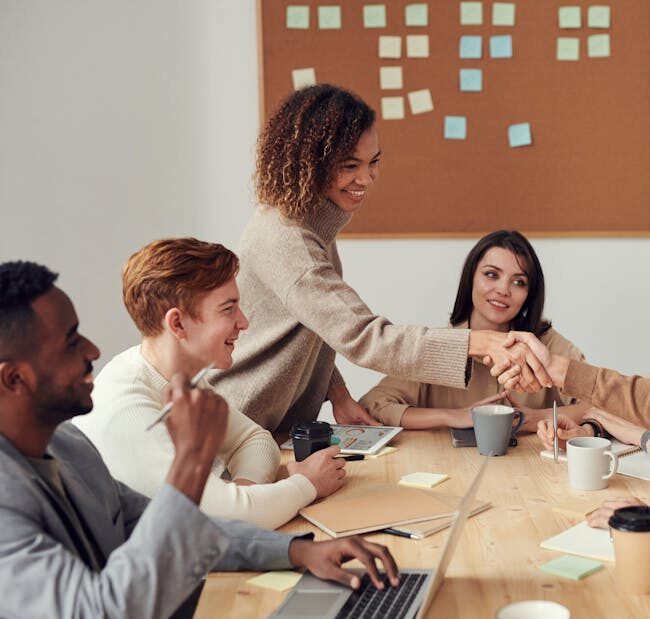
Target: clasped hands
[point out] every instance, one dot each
(518, 359)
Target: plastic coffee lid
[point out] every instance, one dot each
(635, 518)
(312, 430)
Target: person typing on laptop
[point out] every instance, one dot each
(76, 542)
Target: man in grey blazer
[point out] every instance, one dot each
(76, 543)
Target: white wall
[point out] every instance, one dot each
(125, 121)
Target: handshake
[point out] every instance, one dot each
(518, 359)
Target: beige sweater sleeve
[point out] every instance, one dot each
(625, 396)
(388, 400)
(324, 303)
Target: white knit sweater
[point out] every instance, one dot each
(127, 399)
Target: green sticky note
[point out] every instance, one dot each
(569, 17)
(298, 17)
(571, 567)
(598, 46)
(568, 48)
(416, 15)
(329, 17)
(374, 16)
(598, 17)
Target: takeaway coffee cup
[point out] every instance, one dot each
(309, 437)
(630, 531)
(533, 609)
(493, 427)
(589, 462)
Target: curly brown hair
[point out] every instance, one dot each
(310, 134)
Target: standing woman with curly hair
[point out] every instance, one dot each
(317, 158)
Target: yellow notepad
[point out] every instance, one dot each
(423, 480)
(278, 581)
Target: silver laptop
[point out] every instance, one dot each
(313, 597)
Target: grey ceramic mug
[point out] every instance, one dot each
(493, 427)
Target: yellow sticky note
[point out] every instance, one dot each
(392, 108)
(390, 78)
(420, 101)
(390, 47)
(303, 77)
(417, 46)
(471, 13)
(503, 14)
(278, 581)
(423, 480)
(384, 451)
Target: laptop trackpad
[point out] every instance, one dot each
(312, 604)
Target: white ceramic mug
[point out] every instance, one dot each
(588, 460)
(534, 609)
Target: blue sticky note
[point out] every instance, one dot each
(574, 568)
(471, 80)
(298, 17)
(501, 46)
(471, 46)
(519, 135)
(455, 127)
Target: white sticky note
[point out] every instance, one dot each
(417, 45)
(598, 46)
(303, 77)
(569, 17)
(392, 108)
(471, 13)
(420, 101)
(423, 480)
(390, 47)
(503, 14)
(598, 16)
(329, 17)
(390, 78)
(416, 14)
(298, 17)
(277, 581)
(471, 47)
(568, 48)
(374, 16)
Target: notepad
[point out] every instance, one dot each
(278, 581)
(420, 530)
(423, 480)
(618, 448)
(584, 541)
(377, 506)
(575, 568)
(635, 465)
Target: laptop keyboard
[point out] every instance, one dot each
(391, 603)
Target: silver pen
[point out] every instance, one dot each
(555, 442)
(168, 407)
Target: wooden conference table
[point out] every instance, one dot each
(498, 558)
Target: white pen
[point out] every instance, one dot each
(555, 442)
(168, 407)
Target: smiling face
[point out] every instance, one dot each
(211, 336)
(63, 363)
(499, 290)
(355, 174)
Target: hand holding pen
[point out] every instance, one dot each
(168, 407)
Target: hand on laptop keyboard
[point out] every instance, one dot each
(324, 559)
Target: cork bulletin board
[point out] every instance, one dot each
(520, 114)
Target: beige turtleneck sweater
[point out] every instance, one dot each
(302, 313)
